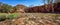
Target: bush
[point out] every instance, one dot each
(8, 16)
(2, 17)
(12, 16)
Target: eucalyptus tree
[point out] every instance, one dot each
(51, 2)
(46, 6)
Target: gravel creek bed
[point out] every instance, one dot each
(33, 19)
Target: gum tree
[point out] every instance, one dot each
(51, 2)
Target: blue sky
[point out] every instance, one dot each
(24, 2)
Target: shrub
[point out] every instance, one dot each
(2, 17)
(12, 16)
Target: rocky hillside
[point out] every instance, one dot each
(44, 8)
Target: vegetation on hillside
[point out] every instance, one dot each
(5, 8)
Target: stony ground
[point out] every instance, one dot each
(34, 19)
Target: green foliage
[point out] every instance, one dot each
(12, 16)
(7, 10)
(5, 7)
(2, 17)
(50, 1)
